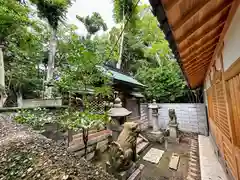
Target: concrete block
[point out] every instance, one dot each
(174, 161)
(153, 155)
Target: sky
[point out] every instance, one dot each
(87, 7)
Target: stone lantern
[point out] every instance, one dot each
(155, 135)
(118, 115)
(153, 114)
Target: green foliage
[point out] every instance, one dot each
(23, 47)
(13, 16)
(52, 10)
(37, 118)
(83, 70)
(93, 23)
(163, 84)
(76, 120)
(24, 52)
(123, 8)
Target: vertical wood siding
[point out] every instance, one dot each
(224, 117)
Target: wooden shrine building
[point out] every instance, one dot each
(204, 36)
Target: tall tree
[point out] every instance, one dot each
(164, 84)
(93, 23)
(54, 11)
(23, 55)
(13, 17)
(123, 10)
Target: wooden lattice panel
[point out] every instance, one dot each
(222, 115)
(233, 86)
(237, 155)
(219, 140)
(214, 104)
(212, 128)
(210, 104)
(229, 156)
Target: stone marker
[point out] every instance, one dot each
(174, 161)
(153, 155)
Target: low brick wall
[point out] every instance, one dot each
(191, 117)
(97, 142)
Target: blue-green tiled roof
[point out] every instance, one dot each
(122, 77)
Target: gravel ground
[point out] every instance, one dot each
(27, 155)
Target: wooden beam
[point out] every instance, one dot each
(171, 4)
(233, 70)
(208, 53)
(204, 21)
(203, 62)
(202, 36)
(193, 65)
(202, 69)
(195, 68)
(209, 44)
(200, 51)
(232, 12)
(189, 15)
(199, 60)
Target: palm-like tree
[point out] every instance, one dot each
(54, 11)
(122, 10)
(93, 23)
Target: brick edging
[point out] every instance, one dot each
(194, 163)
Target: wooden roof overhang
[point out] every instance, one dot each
(194, 29)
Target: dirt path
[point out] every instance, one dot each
(161, 171)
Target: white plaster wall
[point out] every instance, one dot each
(191, 117)
(231, 50)
(34, 103)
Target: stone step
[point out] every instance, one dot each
(153, 155)
(141, 147)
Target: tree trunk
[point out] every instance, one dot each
(119, 63)
(19, 99)
(85, 140)
(70, 136)
(2, 78)
(51, 57)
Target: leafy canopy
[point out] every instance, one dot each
(93, 23)
(52, 10)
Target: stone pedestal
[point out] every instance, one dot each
(116, 130)
(173, 130)
(155, 123)
(155, 136)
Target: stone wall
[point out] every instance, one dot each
(191, 117)
(97, 143)
(32, 103)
